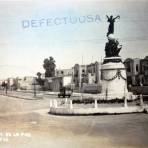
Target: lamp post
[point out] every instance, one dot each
(125, 98)
(34, 88)
(6, 86)
(141, 95)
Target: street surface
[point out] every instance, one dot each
(49, 131)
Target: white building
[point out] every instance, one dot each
(79, 76)
(132, 70)
(63, 72)
(27, 83)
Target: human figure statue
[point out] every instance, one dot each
(112, 47)
(111, 20)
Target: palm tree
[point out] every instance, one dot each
(39, 75)
(49, 66)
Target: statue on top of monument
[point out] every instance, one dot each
(111, 20)
(112, 47)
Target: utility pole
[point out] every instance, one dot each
(6, 86)
(81, 85)
(34, 83)
(141, 95)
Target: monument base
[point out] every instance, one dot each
(114, 79)
(113, 60)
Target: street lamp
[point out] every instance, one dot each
(6, 86)
(34, 88)
(141, 95)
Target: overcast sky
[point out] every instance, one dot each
(23, 46)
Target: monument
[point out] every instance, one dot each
(113, 79)
(113, 73)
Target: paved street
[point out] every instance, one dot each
(50, 131)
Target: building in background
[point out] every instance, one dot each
(144, 71)
(28, 83)
(133, 71)
(12, 83)
(63, 72)
(137, 71)
(94, 73)
(79, 75)
(61, 81)
(87, 77)
(63, 77)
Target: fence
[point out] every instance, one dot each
(69, 103)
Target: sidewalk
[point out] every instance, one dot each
(20, 96)
(74, 94)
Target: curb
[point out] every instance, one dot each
(37, 98)
(97, 111)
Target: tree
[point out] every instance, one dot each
(49, 66)
(39, 79)
(39, 75)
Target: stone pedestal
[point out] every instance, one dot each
(113, 79)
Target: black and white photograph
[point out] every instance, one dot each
(73, 74)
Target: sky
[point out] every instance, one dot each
(71, 31)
